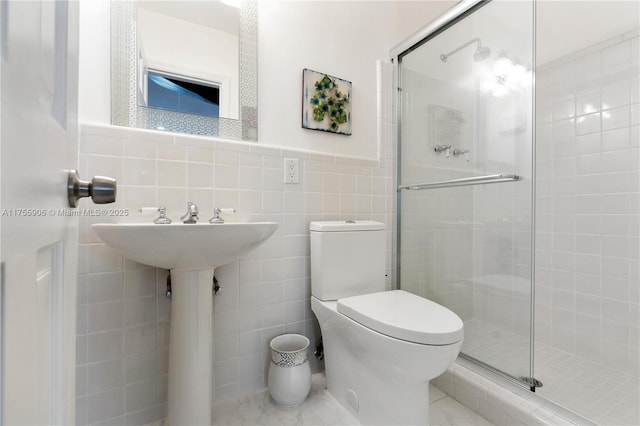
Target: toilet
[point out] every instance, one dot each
(381, 348)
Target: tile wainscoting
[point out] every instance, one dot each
(123, 314)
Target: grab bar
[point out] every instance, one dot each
(476, 180)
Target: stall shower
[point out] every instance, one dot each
(518, 192)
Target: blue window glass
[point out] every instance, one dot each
(184, 96)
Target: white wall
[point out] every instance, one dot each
(589, 23)
(94, 92)
(343, 39)
(122, 312)
(292, 35)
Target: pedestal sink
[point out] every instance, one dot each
(191, 252)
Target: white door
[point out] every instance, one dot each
(38, 242)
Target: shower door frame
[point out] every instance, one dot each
(452, 16)
(449, 18)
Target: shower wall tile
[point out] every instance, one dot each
(437, 237)
(123, 314)
(593, 207)
(589, 123)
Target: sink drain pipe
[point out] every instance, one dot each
(216, 286)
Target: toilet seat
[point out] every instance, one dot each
(404, 316)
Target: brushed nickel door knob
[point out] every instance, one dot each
(101, 189)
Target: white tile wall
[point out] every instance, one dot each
(435, 263)
(123, 315)
(467, 248)
(587, 262)
(587, 221)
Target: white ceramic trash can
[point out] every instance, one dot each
(289, 371)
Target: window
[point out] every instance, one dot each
(182, 94)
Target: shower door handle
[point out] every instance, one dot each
(475, 180)
(101, 189)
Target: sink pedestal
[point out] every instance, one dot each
(191, 348)
(191, 252)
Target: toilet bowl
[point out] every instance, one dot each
(381, 348)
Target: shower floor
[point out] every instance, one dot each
(593, 391)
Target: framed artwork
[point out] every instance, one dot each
(326, 102)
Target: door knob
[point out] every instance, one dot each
(101, 189)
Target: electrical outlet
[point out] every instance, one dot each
(291, 170)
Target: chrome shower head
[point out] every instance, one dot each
(482, 52)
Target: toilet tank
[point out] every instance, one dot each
(347, 258)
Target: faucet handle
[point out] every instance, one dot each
(459, 151)
(216, 214)
(191, 216)
(442, 148)
(160, 220)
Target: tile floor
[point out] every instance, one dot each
(320, 408)
(593, 391)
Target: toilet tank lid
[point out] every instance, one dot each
(346, 225)
(404, 316)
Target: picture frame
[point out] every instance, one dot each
(326, 102)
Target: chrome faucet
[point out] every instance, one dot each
(191, 216)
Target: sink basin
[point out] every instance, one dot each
(191, 252)
(184, 246)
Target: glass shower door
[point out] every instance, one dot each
(465, 179)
